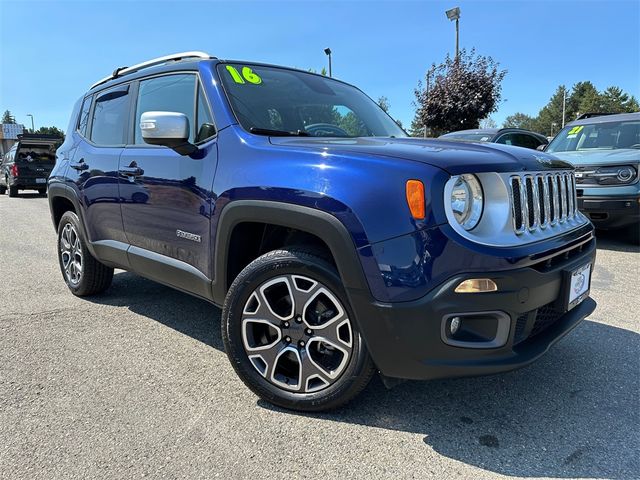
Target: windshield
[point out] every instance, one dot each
(472, 137)
(597, 136)
(36, 153)
(271, 100)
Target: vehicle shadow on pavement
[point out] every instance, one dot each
(184, 313)
(616, 241)
(573, 414)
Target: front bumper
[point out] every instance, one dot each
(406, 341)
(609, 212)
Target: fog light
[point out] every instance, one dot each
(455, 325)
(477, 285)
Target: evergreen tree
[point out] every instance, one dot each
(7, 117)
(615, 100)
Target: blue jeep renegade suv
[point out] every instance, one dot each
(336, 246)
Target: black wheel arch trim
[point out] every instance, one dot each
(310, 220)
(60, 190)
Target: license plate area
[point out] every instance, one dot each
(41, 180)
(578, 285)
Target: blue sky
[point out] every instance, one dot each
(50, 52)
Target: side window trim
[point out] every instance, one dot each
(200, 88)
(88, 98)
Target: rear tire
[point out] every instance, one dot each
(3, 189)
(83, 274)
(291, 335)
(13, 191)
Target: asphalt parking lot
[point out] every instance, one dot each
(135, 383)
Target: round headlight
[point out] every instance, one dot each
(466, 201)
(625, 174)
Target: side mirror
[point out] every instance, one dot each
(170, 129)
(542, 147)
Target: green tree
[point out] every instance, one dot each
(7, 117)
(616, 101)
(519, 120)
(51, 131)
(384, 103)
(584, 98)
(549, 119)
(465, 90)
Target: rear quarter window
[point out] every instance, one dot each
(110, 117)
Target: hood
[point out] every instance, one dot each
(454, 157)
(601, 157)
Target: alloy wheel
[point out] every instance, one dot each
(297, 333)
(71, 254)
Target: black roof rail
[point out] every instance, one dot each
(594, 114)
(175, 57)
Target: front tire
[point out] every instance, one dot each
(83, 274)
(291, 335)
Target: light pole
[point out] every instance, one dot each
(327, 51)
(564, 104)
(33, 128)
(454, 14)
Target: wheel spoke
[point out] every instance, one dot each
(303, 289)
(312, 374)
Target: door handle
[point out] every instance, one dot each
(80, 165)
(131, 171)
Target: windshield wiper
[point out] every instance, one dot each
(279, 133)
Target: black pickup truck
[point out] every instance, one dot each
(27, 165)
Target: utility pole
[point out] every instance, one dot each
(564, 103)
(33, 128)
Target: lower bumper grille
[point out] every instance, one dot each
(543, 318)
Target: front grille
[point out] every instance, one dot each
(539, 200)
(545, 316)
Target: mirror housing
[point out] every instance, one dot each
(169, 129)
(542, 147)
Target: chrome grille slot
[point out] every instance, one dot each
(543, 205)
(531, 204)
(516, 204)
(556, 179)
(542, 200)
(553, 208)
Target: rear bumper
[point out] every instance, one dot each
(29, 183)
(610, 212)
(406, 339)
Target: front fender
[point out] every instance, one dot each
(311, 220)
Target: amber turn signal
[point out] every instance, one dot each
(477, 285)
(415, 198)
